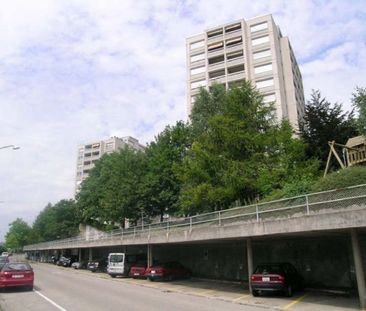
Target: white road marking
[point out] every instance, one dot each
(49, 300)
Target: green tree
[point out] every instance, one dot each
(359, 102)
(206, 105)
(112, 192)
(324, 122)
(18, 234)
(56, 221)
(161, 185)
(243, 153)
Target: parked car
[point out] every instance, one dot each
(17, 274)
(61, 260)
(138, 270)
(67, 261)
(167, 271)
(276, 277)
(5, 254)
(99, 265)
(79, 265)
(3, 260)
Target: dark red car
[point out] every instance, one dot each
(276, 277)
(137, 270)
(17, 274)
(167, 271)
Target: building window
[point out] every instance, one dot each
(234, 41)
(235, 83)
(232, 28)
(269, 98)
(234, 55)
(216, 74)
(235, 69)
(197, 57)
(261, 54)
(198, 70)
(96, 146)
(260, 40)
(109, 146)
(215, 46)
(214, 33)
(259, 27)
(197, 84)
(264, 83)
(263, 68)
(198, 44)
(216, 59)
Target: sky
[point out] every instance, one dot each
(73, 72)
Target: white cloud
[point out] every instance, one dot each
(76, 71)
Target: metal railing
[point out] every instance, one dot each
(299, 206)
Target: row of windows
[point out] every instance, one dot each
(228, 43)
(232, 55)
(227, 29)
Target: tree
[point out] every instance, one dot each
(161, 185)
(243, 153)
(359, 102)
(56, 221)
(206, 105)
(324, 122)
(111, 193)
(18, 234)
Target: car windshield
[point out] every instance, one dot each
(116, 258)
(268, 269)
(16, 267)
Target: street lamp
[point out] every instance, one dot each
(14, 147)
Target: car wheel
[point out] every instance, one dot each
(30, 288)
(151, 279)
(113, 275)
(288, 291)
(255, 293)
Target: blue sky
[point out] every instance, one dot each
(76, 71)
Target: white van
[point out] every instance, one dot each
(117, 265)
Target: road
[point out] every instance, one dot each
(65, 289)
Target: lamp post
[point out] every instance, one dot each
(14, 147)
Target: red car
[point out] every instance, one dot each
(167, 271)
(276, 277)
(17, 274)
(137, 270)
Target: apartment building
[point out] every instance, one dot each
(88, 154)
(252, 50)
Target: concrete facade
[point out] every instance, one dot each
(88, 154)
(252, 50)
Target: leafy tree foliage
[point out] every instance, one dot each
(161, 185)
(324, 122)
(18, 234)
(56, 221)
(359, 102)
(206, 105)
(112, 192)
(243, 153)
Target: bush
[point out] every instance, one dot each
(347, 177)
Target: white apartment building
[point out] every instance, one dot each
(252, 50)
(88, 154)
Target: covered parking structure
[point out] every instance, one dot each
(323, 235)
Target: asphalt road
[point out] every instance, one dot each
(65, 289)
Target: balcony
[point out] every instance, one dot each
(236, 76)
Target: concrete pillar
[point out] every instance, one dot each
(360, 275)
(90, 254)
(80, 255)
(149, 255)
(250, 261)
